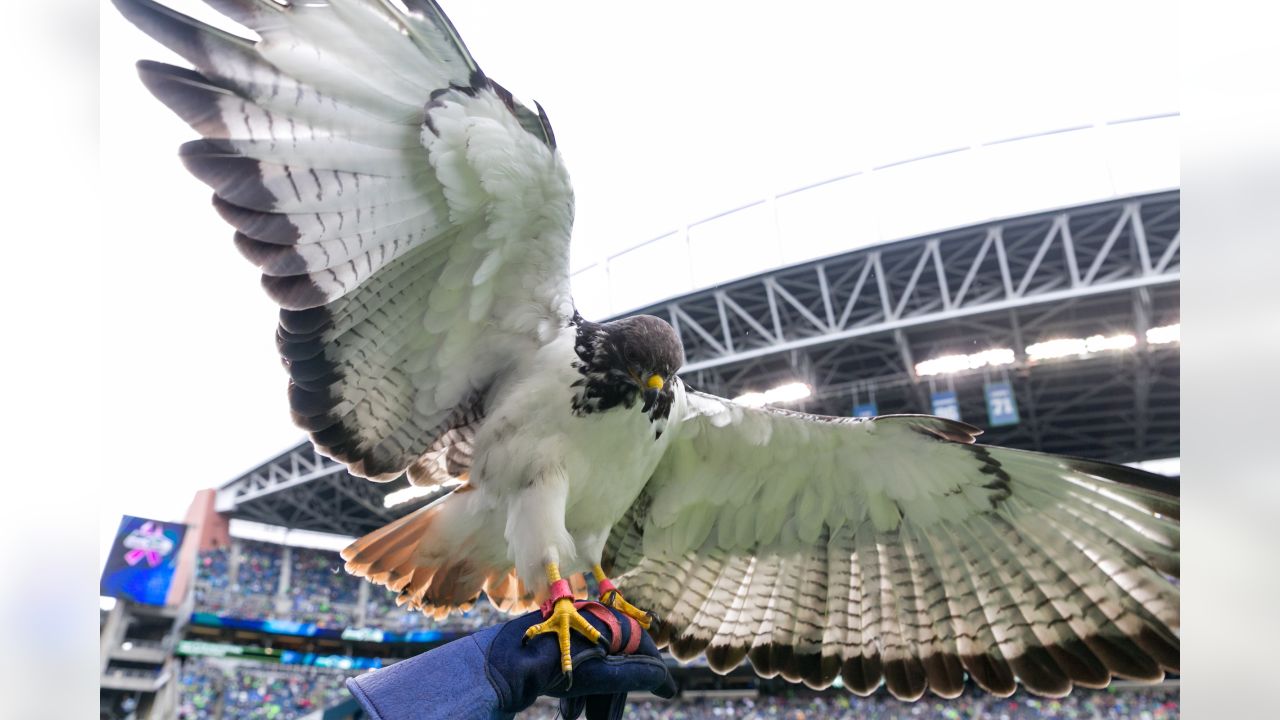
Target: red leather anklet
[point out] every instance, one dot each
(559, 591)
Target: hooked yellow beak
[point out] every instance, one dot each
(655, 382)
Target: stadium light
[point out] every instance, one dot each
(1165, 334)
(413, 492)
(1080, 347)
(959, 363)
(783, 393)
(1097, 343)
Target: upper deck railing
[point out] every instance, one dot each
(954, 188)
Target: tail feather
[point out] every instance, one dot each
(416, 556)
(424, 558)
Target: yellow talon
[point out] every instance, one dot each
(614, 599)
(564, 617)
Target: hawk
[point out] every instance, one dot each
(412, 220)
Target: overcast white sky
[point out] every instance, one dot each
(665, 112)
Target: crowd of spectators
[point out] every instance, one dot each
(1143, 703)
(259, 570)
(201, 684)
(1157, 703)
(382, 612)
(320, 591)
(213, 576)
(215, 691)
(214, 567)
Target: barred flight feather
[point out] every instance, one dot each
(385, 188)
(933, 560)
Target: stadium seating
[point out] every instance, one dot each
(381, 612)
(1159, 703)
(202, 685)
(214, 690)
(222, 690)
(320, 591)
(259, 571)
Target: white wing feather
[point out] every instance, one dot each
(894, 549)
(410, 218)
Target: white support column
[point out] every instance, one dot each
(286, 580)
(233, 564)
(362, 604)
(286, 572)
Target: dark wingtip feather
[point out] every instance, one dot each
(783, 658)
(311, 402)
(1122, 657)
(661, 634)
(762, 661)
(307, 321)
(313, 373)
(945, 674)
(234, 177)
(190, 95)
(991, 673)
(176, 31)
(905, 678)
(1163, 647)
(687, 647)
(274, 260)
(1039, 674)
(245, 12)
(267, 227)
(315, 424)
(1081, 665)
(938, 427)
(295, 292)
(298, 348)
(819, 671)
(724, 658)
(861, 675)
(1161, 493)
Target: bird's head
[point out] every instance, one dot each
(625, 359)
(651, 353)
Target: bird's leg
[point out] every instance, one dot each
(560, 616)
(610, 596)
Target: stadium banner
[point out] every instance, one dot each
(340, 662)
(142, 560)
(1002, 406)
(310, 630)
(945, 404)
(865, 410)
(201, 648)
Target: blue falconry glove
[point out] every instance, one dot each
(493, 674)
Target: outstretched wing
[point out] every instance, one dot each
(411, 219)
(895, 548)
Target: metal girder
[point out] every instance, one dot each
(1036, 260)
(871, 313)
(303, 489)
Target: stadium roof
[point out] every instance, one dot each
(855, 325)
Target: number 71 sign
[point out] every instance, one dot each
(1002, 406)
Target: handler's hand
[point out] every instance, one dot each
(602, 677)
(442, 683)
